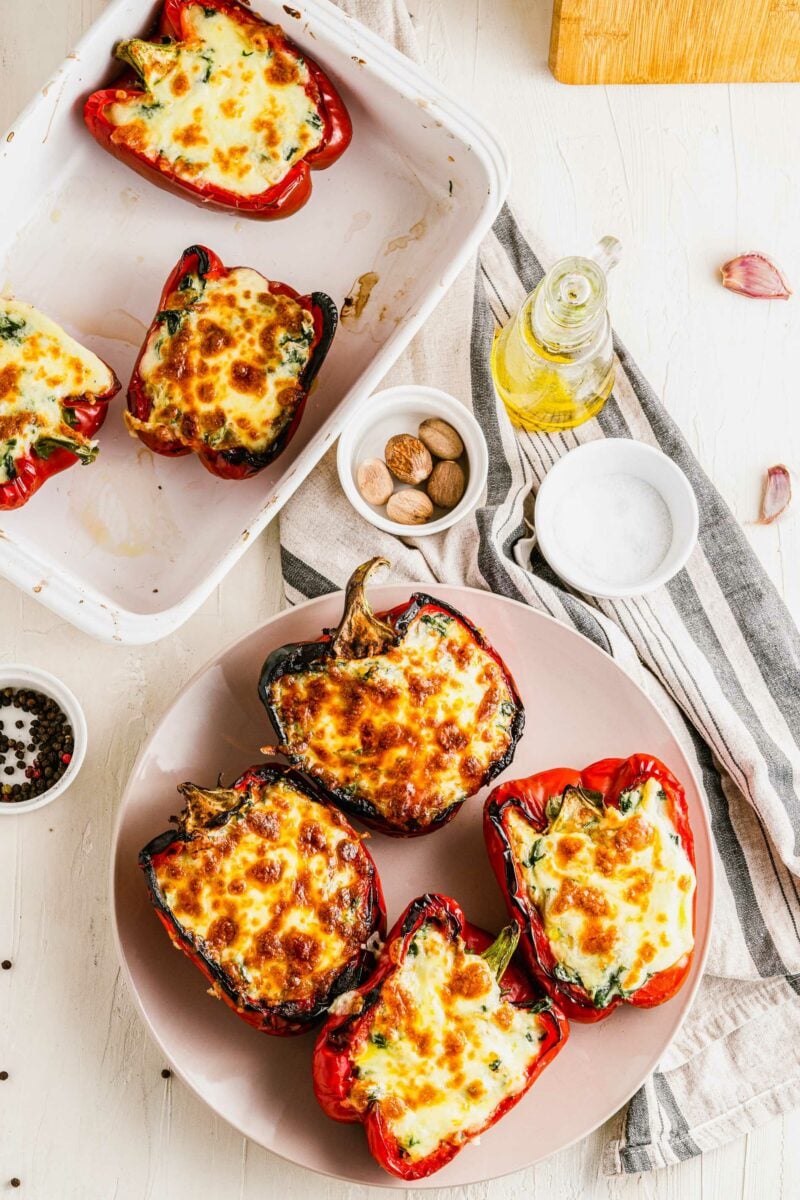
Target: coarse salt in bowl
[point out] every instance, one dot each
(615, 518)
(17, 676)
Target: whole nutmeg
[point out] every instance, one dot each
(446, 484)
(440, 438)
(409, 507)
(374, 481)
(407, 458)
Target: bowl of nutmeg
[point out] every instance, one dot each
(412, 460)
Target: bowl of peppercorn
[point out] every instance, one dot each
(42, 738)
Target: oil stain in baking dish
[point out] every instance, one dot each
(414, 234)
(129, 197)
(101, 534)
(359, 221)
(358, 298)
(113, 524)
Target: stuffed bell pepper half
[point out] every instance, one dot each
(227, 365)
(597, 868)
(438, 1044)
(219, 105)
(54, 396)
(399, 717)
(271, 893)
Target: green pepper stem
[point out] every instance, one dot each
(203, 805)
(360, 633)
(501, 951)
(129, 50)
(85, 450)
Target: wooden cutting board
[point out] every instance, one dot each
(675, 41)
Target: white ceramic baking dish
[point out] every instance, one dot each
(128, 548)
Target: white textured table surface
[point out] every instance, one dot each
(686, 177)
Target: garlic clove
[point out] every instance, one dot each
(755, 275)
(777, 494)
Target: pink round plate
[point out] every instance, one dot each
(580, 707)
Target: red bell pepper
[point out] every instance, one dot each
(268, 845)
(178, 432)
(387, 730)
(604, 785)
(81, 416)
(281, 198)
(384, 1010)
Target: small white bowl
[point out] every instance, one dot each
(617, 456)
(18, 676)
(402, 410)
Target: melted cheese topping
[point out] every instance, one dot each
(412, 730)
(276, 896)
(222, 363)
(443, 1049)
(614, 889)
(227, 107)
(41, 369)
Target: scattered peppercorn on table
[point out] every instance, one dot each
(89, 1108)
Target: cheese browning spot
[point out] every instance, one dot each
(276, 896)
(443, 1049)
(228, 107)
(614, 890)
(412, 730)
(222, 365)
(41, 369)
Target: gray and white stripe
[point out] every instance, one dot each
(715, 649)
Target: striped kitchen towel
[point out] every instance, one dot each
(715, 649)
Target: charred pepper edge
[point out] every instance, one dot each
(289, 1017)
(296, 657)
(574, 999)
(430, 907)
(332, 1062)
(417, 914)
(244, 462)
(326, 316)
(279, 200)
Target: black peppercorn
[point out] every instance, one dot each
(51, 743)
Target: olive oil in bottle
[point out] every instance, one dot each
(553, 362)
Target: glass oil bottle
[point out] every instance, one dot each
(553, 362)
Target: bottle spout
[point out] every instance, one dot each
(569, 305)
(606, 253)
